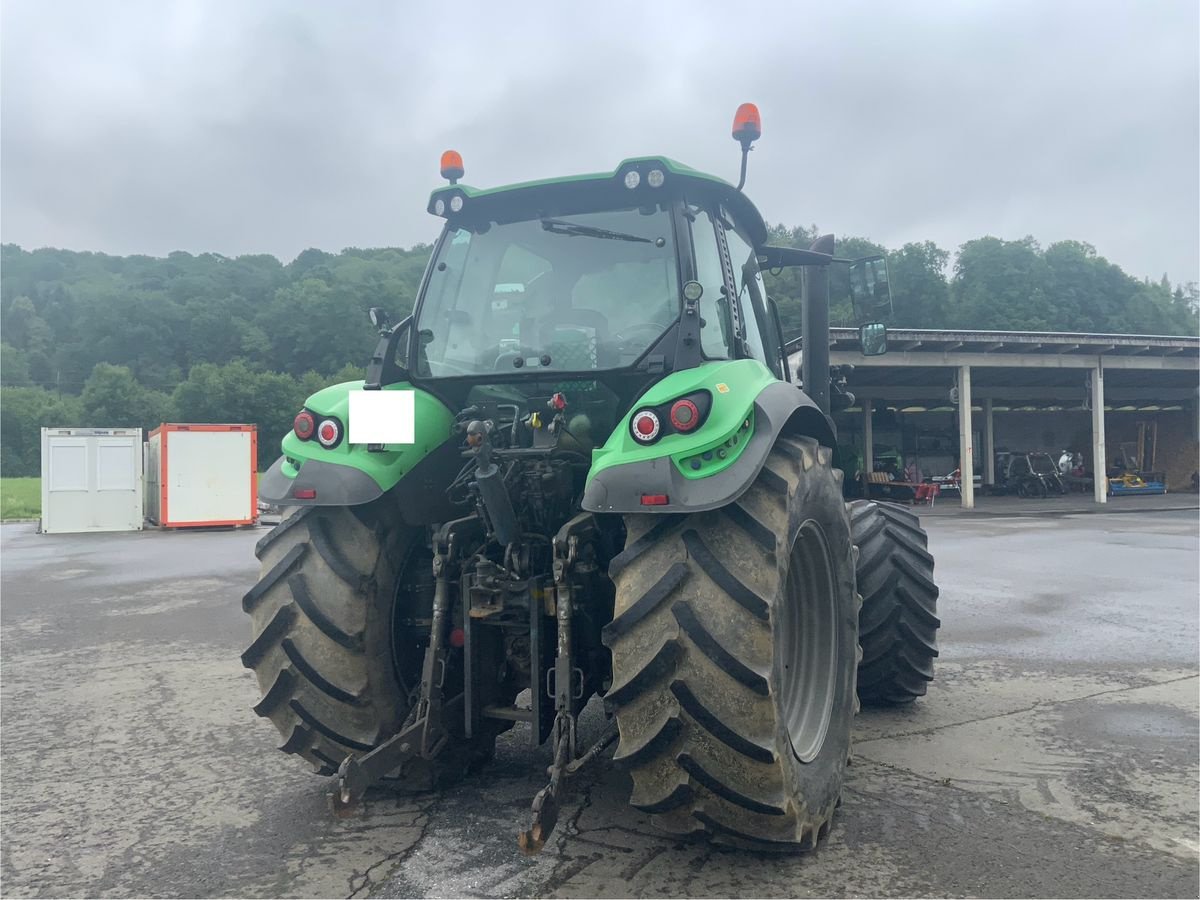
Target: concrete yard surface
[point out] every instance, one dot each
(1057, 753)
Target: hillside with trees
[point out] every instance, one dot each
(92, 339)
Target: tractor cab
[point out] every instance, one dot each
(649, 268)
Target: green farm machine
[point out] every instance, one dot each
(583, 467)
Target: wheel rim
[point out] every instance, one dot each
(809, 644)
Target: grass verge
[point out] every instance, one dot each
(20, 498)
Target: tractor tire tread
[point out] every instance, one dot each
(329, 689)
(692, 653)
(899, 622)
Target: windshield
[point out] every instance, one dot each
(567, 293)
(1042, 464)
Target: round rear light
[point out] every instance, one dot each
(303, 425)
(645, 426)
(684, 415)
(328, 433)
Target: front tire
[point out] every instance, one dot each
(898, 624)
(734, 656)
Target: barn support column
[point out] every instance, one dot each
(966, 452)
(1099, 454)
(989, 444)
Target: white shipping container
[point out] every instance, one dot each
(91, 480)
(199, 475)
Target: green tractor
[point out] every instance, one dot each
(583, 467)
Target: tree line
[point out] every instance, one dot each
(93, 339)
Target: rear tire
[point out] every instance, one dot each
(734, 655)
(321, 624)
(334, 648)
(898, 624)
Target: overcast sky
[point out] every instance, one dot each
(262, 126)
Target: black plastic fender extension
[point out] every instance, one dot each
(330, 484)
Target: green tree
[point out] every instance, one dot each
(113, 397)
(920, 292)
(24, 411)
(14, 366)
(237, 394)
(1000, 285)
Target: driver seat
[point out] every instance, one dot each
(573, 336)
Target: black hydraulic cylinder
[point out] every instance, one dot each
(815, 358)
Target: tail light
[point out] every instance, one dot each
(685, 416)
(645, 425)
(328, 433)
(304, 425)
(680, 416)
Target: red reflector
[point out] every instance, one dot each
(458, 637)
(655, 500)
(305, 493)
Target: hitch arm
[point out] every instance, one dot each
(425, 736)
(545, 804)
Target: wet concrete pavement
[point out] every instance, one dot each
(1056, 754)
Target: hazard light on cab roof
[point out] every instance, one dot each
(747, 123)
(452, 166)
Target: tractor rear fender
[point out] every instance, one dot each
(345, 474)
(716, 463)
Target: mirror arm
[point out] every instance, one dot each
(383, 368)
(785, 257)
(783, 356)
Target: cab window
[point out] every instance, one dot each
(751, 296)
(715, 339)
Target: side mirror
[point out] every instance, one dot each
(379, 318)
(872, 339)
(870, 291)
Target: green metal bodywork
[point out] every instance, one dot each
(728, 426)
(387, 467)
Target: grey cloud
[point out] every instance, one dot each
(274, 126)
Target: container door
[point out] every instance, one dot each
(209, 477)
